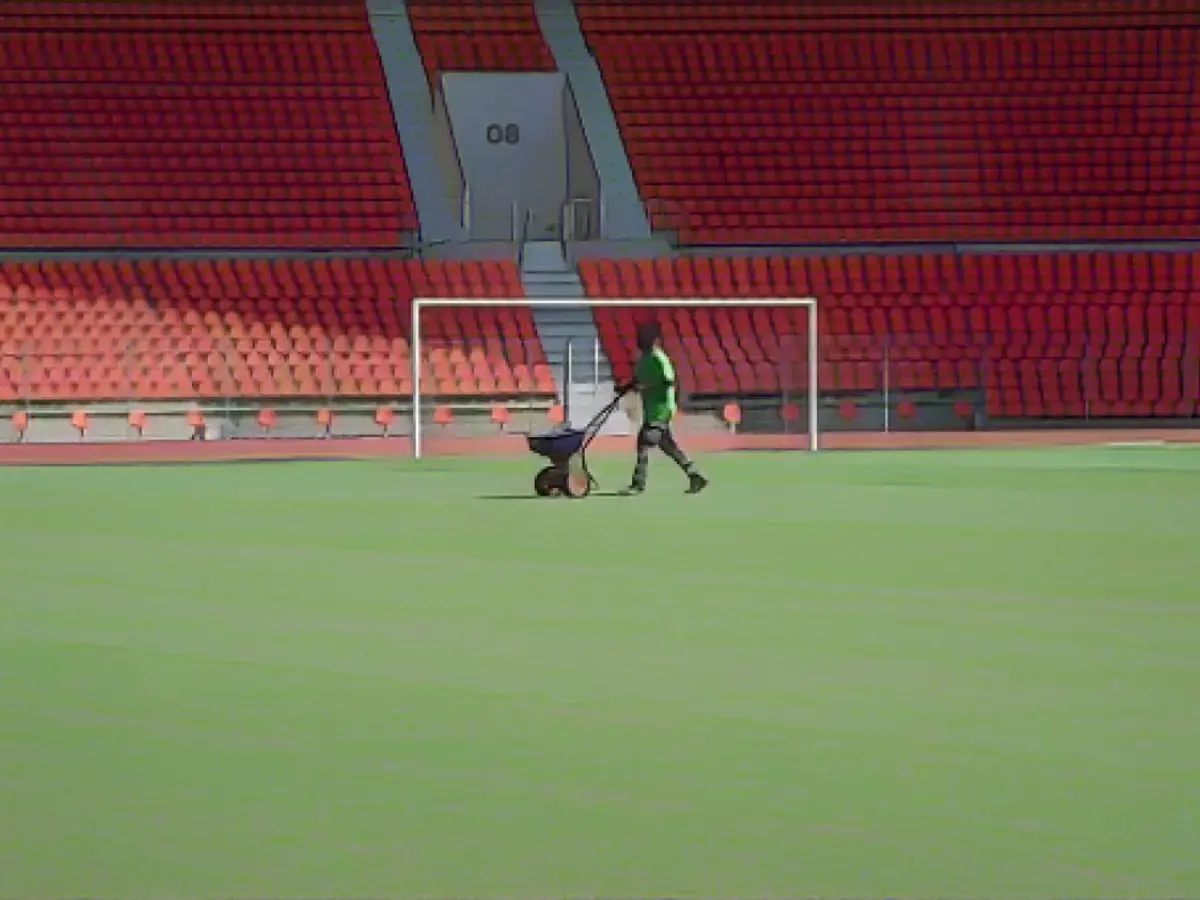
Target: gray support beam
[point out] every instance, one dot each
(624, 216)
(432, 178)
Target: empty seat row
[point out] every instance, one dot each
(156, 330)
(121, 120)
(479, 35)
(762, 123)
(926, 275)
(838, 16)
(318, 16)
(1040, 334)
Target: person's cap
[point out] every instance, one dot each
(648, 333)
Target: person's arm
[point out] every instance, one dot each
(634, 384)
(666, 369)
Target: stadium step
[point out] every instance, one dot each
(408, 92)
(547, 275)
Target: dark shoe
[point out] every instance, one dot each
(633, 490)
(696, 483)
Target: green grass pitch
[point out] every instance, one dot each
(855, 675)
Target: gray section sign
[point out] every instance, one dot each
(511, 136)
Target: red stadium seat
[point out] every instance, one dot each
(282, 136)
(267, 420)
(767, 123)
(255, 329)
(479, 35)
(1045, 335)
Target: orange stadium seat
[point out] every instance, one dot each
(281, 135)
(81, 422)
(501, 415)
(267, 420)
(907, 121)
(204, 330)
(1043, 334)
(325, 421)
(138, 420)
(197, 422)
(385, 417)
(20, 423)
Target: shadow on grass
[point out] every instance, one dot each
(592, 496)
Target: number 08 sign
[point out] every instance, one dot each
(504, 134)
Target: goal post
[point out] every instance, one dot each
(786, 327)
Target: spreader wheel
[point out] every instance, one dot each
(578, 485)
(548, 482)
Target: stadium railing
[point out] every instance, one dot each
(514, 385)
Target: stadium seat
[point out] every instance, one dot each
(385, 417)
(20, 424)
(251, 328)
(138, 421)
(765, 123)
(81, 422)
(479, 35)
(197, 125)
(1043, 334)
(267, 420)
(198, 423)
(325, 419)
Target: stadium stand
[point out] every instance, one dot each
(907, 121)
(197, 124)
(479, 35)
(179, 330)
(1044, 335)
(267, 125)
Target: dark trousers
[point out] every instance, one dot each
(658, 435)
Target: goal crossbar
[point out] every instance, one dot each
(421, 303)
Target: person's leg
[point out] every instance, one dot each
(669, 446)
(646, 439)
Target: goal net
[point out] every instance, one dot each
(495, 370)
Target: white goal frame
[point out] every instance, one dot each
(422, 303)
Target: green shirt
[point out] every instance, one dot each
(656, 376)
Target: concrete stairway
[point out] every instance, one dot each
(412, 107)
(588, 385)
